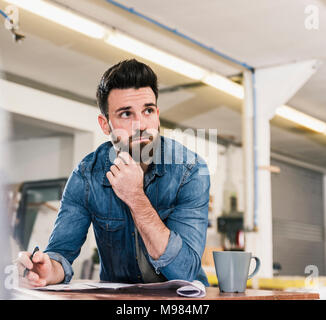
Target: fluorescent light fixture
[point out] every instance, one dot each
(119, 40)
(301, 119)
(173, 63)
(224, 84)
(157, 56)
(62, 16)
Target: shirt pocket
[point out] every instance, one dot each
(109, 231)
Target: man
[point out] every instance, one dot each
(147, 196)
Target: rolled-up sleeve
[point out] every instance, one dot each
(172, 249)
(71, 226)
(188, 227)
(64, 263)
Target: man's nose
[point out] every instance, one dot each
(139, 123)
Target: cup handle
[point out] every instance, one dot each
(257, 267)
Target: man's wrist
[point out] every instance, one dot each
(137, 200)
(154, 232)
(57, 273)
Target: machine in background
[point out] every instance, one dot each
(231, 226)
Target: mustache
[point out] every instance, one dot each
(141, 134)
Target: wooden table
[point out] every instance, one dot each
(212, 293)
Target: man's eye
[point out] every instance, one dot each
(125, 114)
(149, 110)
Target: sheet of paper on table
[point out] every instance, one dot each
(183, 288)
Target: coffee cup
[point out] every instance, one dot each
(232, 269)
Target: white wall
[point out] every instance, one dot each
(38, 159)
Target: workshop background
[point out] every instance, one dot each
(250, 74)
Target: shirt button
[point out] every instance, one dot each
(133, 234)
(138, 277)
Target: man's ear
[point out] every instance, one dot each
(103, 122)
(158, 115)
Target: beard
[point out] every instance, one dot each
(141, 152)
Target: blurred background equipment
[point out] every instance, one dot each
(35, 216)
(34, 208)
(230, 225)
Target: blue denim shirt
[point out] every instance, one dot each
(177, 185)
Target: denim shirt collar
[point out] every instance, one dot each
(156, 168)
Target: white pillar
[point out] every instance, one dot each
(248, 150)
(273, 87)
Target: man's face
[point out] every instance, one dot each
(133, 120)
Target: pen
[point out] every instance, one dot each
(31, 257)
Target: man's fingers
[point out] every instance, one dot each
(114, 169)
(32, 276)
(119, 162)
(126, 157)
(110, 176)
(39, 257)
(21, 268)
(32, 279)
(24, 259)
(39, 283)
(26, 283)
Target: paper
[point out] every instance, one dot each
(183, 288)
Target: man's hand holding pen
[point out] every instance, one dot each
(37, 269)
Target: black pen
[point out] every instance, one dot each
(31, 257)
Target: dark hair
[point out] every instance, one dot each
(125, 75)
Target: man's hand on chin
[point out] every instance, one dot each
(126, 177)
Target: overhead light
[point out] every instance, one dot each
(62, 16)
(224, 84)
(129, 44)
(301, 119)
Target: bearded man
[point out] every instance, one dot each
(146, 195)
